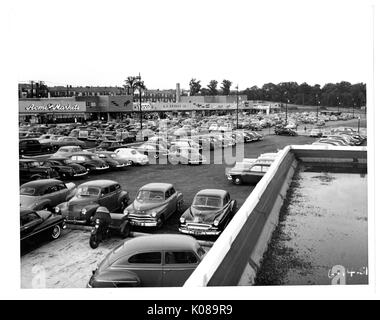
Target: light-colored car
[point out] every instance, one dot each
(132, 155)
(185, 156)
(154, 203)
(161, 260)
(66, 151)
(45, 194)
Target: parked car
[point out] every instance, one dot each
(67, 141)
(185, 155)
(65, 169)
(209, 214)
(162, 260)
(284, 131)
(89, 160)
(154, 203)
(36, 223)
(317, 133)
(152, 148)
(66, 151)
(112, 159)
(91, 195)
(132, 155)
(249, 171)
(110, 145)
(33, 147)
(45, 194)
(31, 169)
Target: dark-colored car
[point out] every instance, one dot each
(31, 169)
(91, 195)
(162, 260)
(279, 130)
(209, 214)
(45, 194)
(67, 141)
(154, 203)
(33, 147)
(249, 172)
(89, 160)
(65, 168)
(112, 159)
(35, 223)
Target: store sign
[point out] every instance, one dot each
(53, 107)
(30, 106)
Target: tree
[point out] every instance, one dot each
(226, 87)
(133, 83)
(212, 86)
(195, 86)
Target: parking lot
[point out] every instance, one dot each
(68, 261)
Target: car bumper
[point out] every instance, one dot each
(143, 162)
(143, 223)
(80, 174)
(199, 232)
(101, 168)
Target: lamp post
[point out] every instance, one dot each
(359, 125)
(286, 108)
(317, 103)
(237, 107)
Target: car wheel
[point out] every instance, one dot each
(94, 242)
(179, 206)
(56, 232)
(237, 180)
(124, 204)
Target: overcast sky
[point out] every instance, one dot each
(170, 41)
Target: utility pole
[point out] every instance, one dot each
(317, 103)
(237, 107)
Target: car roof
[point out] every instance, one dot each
(157, 186)
(82, 153)
(38, 184)
(98, 183)
(156, 242)
(213, 192)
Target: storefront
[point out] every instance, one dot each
(52, 110)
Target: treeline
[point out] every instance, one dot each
(342, 94)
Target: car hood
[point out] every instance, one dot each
(82, 200)
(202, 214)
(138, 206)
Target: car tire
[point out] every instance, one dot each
(94, 242)
(179, 206)
(55, 232)
(125, 231)
(237, 180)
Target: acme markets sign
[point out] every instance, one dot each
(53, 107)
(26, 106)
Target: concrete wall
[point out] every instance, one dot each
(236, 256)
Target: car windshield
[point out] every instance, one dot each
(27, 191)
(207, 201)
(88, 191)
(148, 195)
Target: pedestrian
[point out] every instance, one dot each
(305, 129)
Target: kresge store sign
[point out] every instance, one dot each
(56, 106)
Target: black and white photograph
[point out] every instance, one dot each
(224, 149)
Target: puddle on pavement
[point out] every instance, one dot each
(323, 223)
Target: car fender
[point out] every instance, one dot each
(45, 203)
(180, 197)
(123, 195)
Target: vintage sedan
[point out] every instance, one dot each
(91, 195)
(34, 223)
(45, 194)
(249, 171)
(155, 203)
(185, 155)
(162, 260)
(66, 151)
(65, 168)
(89, 160)
(112, 159)
(209, 214)
(132, 155)
(67, 141)
(31, 169)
